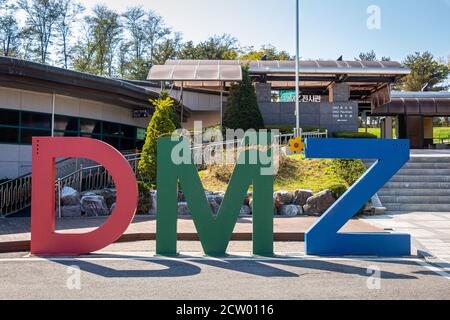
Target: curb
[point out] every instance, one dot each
(24, 245)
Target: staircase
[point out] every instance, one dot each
(422, 185)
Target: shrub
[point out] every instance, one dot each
(348, 170)
(242, 110)
(160, 125)
(338, 190)
(354, 135)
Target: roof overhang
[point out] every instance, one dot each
(416, 103)
(27, 75)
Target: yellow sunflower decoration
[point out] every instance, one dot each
(296, 145)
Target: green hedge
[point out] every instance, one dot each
(354, 135)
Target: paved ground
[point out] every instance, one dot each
(131, 271)
(429, 230)
(15, 232)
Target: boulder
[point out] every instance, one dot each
(109, 195)
(214, 206)
(183, 209)
(71, 211)
(291, 210)
(284, 197)
(319, 203)
(217, 198)
(153, 201)
(94, 206)
(69, 197)
(245, 210)
(301, 195)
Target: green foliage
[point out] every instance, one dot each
(267, 52)
(348, 170)
(164, 94)
(160, 125)
(426, 72)
(242, 110)
(370, 56)
(354, 135)
(338, 190)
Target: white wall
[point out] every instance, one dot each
(15, 160)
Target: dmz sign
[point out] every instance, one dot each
(323, 238)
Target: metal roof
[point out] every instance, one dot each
(416, 103)
(230, 70)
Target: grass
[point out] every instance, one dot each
(295, 172)
(438, 132)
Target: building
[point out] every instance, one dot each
(40, 100)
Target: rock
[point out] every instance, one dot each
(301, 195)
(113, 206)
(71, 211)
(183, 209)
(284, 197)
(245, 210)
(153, 202)
(319, 203)
(216, 198)
(291, 210)
(69, 197)
(277, 204)
(214, 206)
(109, 195)
(94, 206)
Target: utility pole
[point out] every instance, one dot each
(297, 69)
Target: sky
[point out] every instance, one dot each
(328, 28)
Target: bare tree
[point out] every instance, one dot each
(69, 14)
(9, 29)
(156, 30)
(41, 18)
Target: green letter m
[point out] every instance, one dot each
(214, 231)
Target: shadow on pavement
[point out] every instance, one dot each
(266, 268)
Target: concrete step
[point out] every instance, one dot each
(423, 172)
(420, 178)
(415, 185)
(445, 159)
(417, 207)
(385, 200)
(426, 165)
(413, 192)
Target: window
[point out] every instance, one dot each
(9, 117)
(111, 128)
(65, 123)
(112, 141)
(27, 134)
(36, 120)
(90, 126)
(20, 126)
(128, 131)
(127, 144)
(9, 135)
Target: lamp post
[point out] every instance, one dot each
(297, 69)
